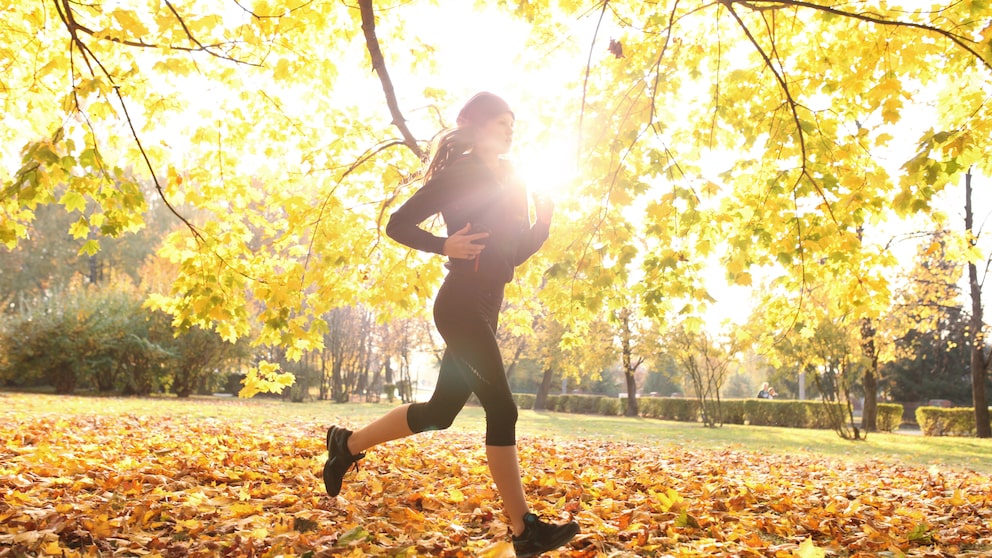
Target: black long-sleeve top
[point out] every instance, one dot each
(467, 191)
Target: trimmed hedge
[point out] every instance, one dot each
(669, 408)
(733, 411)
(942, 421)
(757, 412)
(889, 417)
(524, 400)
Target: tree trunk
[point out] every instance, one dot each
(541, 401)
(869, 414)
(631, 410)
(979, 362)
(629, 367)
(512, 366)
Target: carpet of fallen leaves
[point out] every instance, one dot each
(98, 485)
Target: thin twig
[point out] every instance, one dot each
(585, 82)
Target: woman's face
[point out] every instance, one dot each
(496, 135)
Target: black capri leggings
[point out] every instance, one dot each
(466, 314)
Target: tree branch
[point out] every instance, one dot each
(68, 19)
(379, 64)
(75, 27)
(585, 82)
(878, 20)
(793, 109)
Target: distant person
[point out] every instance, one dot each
(766, 392)
(485, 210)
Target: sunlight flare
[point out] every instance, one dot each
(549, 170)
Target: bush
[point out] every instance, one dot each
(89, 338)
(669, 408)
(790, 414)
(582, 404)
(524, 400)
(817, 415)
(889, 417)
(83, 338)
(611, 406)
(732, 411)
(551, 403)
(942, 421)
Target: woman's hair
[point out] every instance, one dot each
(458, 141)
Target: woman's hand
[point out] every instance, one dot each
(544, 207)
(461, 245)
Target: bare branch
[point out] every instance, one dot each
(267, 16)
(379, 64)
(585, 82)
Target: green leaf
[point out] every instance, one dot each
(356, 534)
(920, 534)
(686, 520)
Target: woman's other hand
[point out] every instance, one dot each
(544, 207)
(461, 245)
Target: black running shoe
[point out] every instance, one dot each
(339, 459)
(539, 536)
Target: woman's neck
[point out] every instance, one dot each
(491, 160)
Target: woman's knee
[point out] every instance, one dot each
(501, 425)
(422, 417)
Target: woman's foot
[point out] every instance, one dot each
(539, 536)
(339, 459)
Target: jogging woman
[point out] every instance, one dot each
(486, 213)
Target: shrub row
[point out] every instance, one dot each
(758, 412)
(106, 340)
(943, 421)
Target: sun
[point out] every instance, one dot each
(548, 169)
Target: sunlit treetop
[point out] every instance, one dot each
(767, 136)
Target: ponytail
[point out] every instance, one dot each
(451, 145)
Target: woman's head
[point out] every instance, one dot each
(484, 126)
(481, 108)
(488, 123)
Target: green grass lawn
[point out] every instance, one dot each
(912, 450)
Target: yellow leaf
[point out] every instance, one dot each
(130, 22)
(502, 549)
(260, 534)
(456, 496)
(73, 201)
(90, 248)
(809, 550)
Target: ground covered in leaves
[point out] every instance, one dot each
(133, 485)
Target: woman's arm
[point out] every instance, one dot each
(533, 238)
(404, 223)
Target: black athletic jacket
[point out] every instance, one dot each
(467, 192)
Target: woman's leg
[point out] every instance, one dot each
(504, 466)
(391, 426)
(450, 395)
(466, 317)
(344, 447)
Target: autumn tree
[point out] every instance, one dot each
(397, 342)
(931, 327)
(745, 133)
(980, 352)
(706, 361)
(349, 351)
